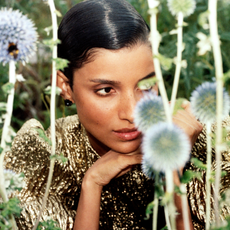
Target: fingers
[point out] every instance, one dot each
(187, 121)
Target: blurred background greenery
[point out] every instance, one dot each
(30, 102)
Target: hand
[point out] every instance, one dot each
(186, 121)
(112, 165)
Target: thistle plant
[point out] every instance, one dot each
(180, 9)
(53, 12)
(212, 8)
(18, 38)
(165, 147)
(204, 107)
(148, 111)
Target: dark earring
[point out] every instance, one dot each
(68, 103)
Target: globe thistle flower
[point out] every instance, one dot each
(203, 102)
(187, 7)
(17, 36)
(165, 147)
(148, 111)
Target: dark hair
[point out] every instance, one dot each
(109, 24)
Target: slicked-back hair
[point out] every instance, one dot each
(108, 24)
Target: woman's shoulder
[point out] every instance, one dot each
(31, 146)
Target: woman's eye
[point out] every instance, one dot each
(104, 91)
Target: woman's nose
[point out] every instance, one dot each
(127, 106)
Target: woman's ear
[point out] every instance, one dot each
(63, 84)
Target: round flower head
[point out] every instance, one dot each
(187, 7)
(17, 36)
(148, 111)
(203, 102)
(165, 147)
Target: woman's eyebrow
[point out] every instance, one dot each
(105, 81)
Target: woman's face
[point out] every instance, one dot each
(106, 91)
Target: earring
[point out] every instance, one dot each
(68, 102)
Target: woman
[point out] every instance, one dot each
(106, 44)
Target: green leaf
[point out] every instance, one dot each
(51, 43)
(198, 163)
(1, 150)
(203, 18)
(166, 198)
(48, 90)
(3, 106)
(178, 104)
(48, 225)
(149, 210)
(61, 63)
(59, 158)
(11, 207)
(189, 175)
(58, 13)
(147, 84)
(166, 62)
(42, 134)
(226, 76)
(7, 87)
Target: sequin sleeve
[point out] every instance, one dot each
(196, 189)
(30, 154)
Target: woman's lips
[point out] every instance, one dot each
(127, 134)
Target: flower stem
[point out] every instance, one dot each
(178, 60)
(212, 7)
(156, 203)
(52, 110)
(208, 175)
(5, 131)
(185, 207)
(155, 41)
(169, 190)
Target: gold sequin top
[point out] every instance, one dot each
(124, 199)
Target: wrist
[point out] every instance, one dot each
(89, 183)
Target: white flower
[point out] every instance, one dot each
(153, 3)
(13, 181)
(203, 102)
(20, 78)
(165, 147)
(17, 36)
(148, 111)
(204, 44)
(187, 7)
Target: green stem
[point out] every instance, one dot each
(208, 175)
(167, 217)
(178, 59)
(212, 7)
(5, 133)
(52, 110)
(155, 41)
(156, 203)
(170, 190)
(185, 207)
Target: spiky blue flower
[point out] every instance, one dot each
(165, 147)
(148, 111)
(18, 36)
(203, 102)
(187, 7)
